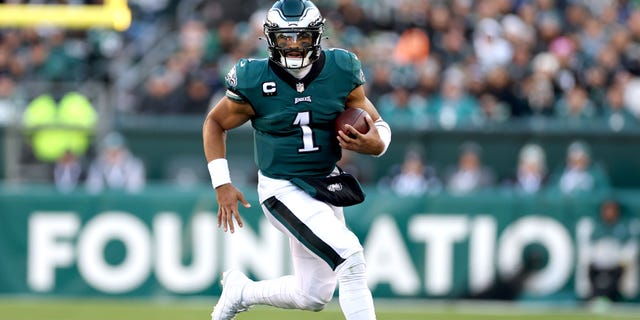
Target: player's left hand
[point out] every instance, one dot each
(367, 143)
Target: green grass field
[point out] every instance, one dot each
(65, 309)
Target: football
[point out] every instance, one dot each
(353, 117)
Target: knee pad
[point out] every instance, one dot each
(313, 303)
(356, 300)
(354, 268)
(315, 297)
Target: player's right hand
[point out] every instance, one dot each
(365, 143)
(228, 197)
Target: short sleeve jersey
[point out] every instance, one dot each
(294, 118)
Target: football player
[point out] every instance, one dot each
(292, 100)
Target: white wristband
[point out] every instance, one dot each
(384, 131)
(219, 172)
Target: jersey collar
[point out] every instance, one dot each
(303, 83)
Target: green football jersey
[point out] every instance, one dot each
(294, 118)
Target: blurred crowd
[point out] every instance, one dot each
(578, 174)
(442, 64)
(446, 64)
(429, 64)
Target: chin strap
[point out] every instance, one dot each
(285, 61)
(300, 73)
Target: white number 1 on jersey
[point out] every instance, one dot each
(303, 119)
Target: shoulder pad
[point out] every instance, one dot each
(245, 74)
(346, 61)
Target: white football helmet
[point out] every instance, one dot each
(293, 29)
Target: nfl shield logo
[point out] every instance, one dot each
(300, 87)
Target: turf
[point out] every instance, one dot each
(120, 309)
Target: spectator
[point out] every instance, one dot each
(531, 172)
(453, 48)
(379, 81)
(517, 32)
(492, 110)
(596, 80)
(490, 46)
(193, 40)
(632, 78)
(454, 106)
(52, 59)
(10, 100)
(520, 65)
(470, 174)
(403, 109)
(579, 174)
(575, 107)
(593, 38)
(500, 86)
(115, 168)
(548, 21)
(428, 81)
(413, 177)
(563, 50)
(160, 95)
(616, 114)
(412, 47)
(614, 246)
(68, 172)
(198, 95)
(539, 94)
